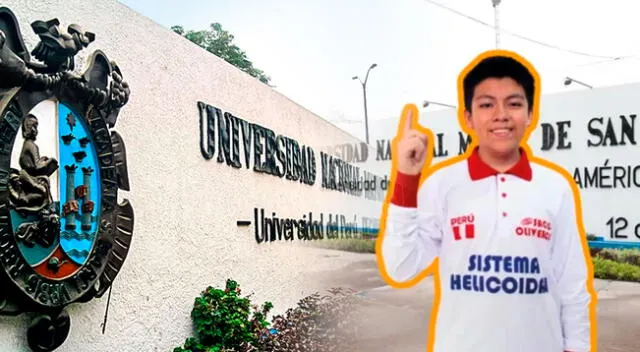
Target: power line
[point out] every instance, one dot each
(521, 36)
(343, 120)
(607, 61)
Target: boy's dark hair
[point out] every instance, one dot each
(498, 67)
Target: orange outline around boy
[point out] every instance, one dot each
(518, 278)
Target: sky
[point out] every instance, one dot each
(312, 49)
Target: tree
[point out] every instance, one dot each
(220, 43)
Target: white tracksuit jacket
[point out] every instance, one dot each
(512, 270)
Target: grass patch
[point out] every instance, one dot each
(358, 245)
(608, 264)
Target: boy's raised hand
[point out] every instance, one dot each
(412, 144)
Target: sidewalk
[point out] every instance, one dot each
(397, 319)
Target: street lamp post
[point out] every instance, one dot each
(364, 93)
(569, 80)
(427, 103)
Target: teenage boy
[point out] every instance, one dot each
(514, 276)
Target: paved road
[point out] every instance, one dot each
(397, 320)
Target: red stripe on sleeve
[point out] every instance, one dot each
(405, 192)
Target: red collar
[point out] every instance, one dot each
(479, 170)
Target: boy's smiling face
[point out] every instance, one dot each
(499, 115)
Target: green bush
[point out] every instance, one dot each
(617, 264)
(610, 254)
(628, 256)
(608, 269)
(224, 321)
(318, 323)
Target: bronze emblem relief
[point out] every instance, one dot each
(63, 235)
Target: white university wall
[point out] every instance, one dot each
(603, 117)
(186, 207)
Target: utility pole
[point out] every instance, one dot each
(496, 14)
(364, 93)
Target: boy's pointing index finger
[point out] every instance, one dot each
(408, 120)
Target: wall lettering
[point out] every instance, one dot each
(463, 142)
(605, 134)
(621, 228)
(439, 151)
(351, 153)
(607, 176)
(269, 153)
(273, 154)
(383, 147)
(309, 227)
(549, 134)
(341, 165)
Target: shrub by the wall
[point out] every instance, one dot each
(628, 256)
(225, 322)
(318, 323)
(609, 269)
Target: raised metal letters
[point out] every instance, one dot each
(273, 154)
(63, 235)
